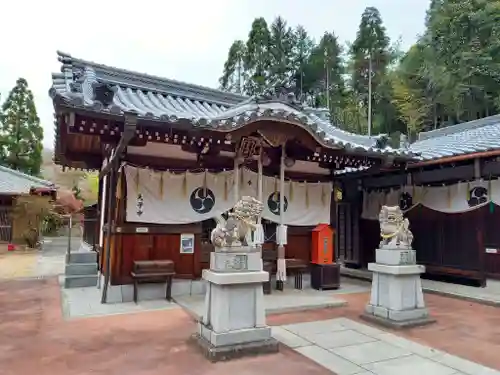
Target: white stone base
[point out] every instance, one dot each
(396, 294)
(234, 301)
(235, 337)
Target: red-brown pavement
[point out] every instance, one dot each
(35, 339)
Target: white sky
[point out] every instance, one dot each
(179, 39)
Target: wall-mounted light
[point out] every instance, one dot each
(266, 160)
(289, 162)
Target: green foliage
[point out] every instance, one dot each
(257, 57)
(20, 132)
(452, 74)
(233, 77)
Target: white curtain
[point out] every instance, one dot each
(457, 198)
(305, 203)
(168, 198)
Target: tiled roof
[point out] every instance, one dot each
(172, 101)
(15, 182)
(469, 137)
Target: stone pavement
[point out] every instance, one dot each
(489, 295)
(347, 347)
(86, 302)
(287, 301)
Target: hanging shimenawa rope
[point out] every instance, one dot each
(184, 185)
(323, 194)
(242, 178)
(468, 190)
(290, 193)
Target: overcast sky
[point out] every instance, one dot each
(179, 39)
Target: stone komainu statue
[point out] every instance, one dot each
(242, 220)
(394, 228)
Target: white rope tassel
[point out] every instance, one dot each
(281, 263)
(282, 234)
(258, 235)
(281, 270)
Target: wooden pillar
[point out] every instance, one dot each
(281, 265)
(236, 182)
(102, 208)
(259, 232)
(111, 192)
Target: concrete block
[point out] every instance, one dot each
(81, 269)
(83, 257)
(80, 281)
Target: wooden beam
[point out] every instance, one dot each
(218, 163)
(462, 172)
(385, 181)
(455, 173)
(128, 134)
(491, 169)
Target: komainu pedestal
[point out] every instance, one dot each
(396, 297)
(234, 322)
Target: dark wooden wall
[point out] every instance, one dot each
(155, 245)
(492, 240)
(449, 244)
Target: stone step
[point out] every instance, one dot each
(81, 269)
(79, 281)
(83, 257)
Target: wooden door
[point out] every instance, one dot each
(347, 238)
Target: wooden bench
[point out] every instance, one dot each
(295, 267)
(153, 271)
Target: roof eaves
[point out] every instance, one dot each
(151, 82)
(458, 128)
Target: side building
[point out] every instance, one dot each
(451, 197)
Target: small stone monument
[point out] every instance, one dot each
(234, 323)
(396, 296)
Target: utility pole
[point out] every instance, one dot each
(327, 80)
(239, 77)
(370, 72)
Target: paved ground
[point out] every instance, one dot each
(34, 338)
(86, 302)
(489, 295)
(348, 347)
(48, 261)
(464, 329)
